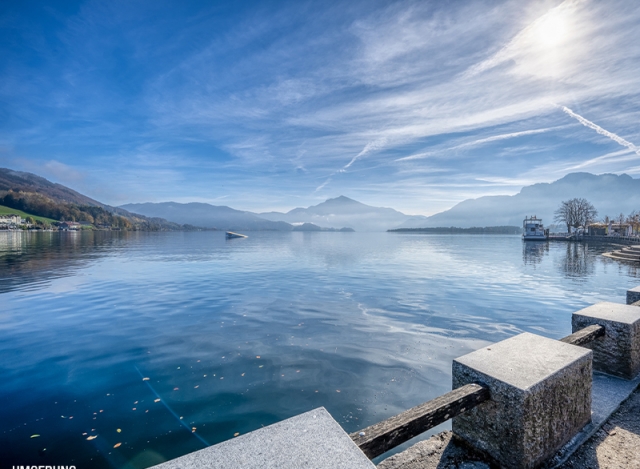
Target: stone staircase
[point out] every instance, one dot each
(629, 253)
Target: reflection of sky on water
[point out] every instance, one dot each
(363, 324)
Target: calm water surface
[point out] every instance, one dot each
(158, 344)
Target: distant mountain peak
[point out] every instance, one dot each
(342, 200)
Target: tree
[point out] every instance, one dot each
(587, 213)
(575, 213)
(566, 214)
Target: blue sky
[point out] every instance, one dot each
(275, 105)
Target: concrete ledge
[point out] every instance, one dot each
(313, 439)
(618, 352)
(540, 398)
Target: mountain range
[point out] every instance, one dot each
(208, 216)
(340, 213)
(34, 190)
(611, 195)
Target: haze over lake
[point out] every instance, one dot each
(233, 335)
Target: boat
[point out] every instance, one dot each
(231, 235)
(533, 229)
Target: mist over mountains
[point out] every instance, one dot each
(208, 216)
(609, 193)
(345, 212)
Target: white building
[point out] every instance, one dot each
(11, 219)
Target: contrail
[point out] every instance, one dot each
(323, 184)
(371, 146)
(600, 130)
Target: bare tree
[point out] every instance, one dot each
(565, 214)
(587, 213)
(575, 213)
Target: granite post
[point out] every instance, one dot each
(540, 398)
(618, 352)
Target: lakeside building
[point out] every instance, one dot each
(11, 221)
(610, 229)
(69, 226)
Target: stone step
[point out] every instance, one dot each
(622, 256)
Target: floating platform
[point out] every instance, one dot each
(232, 235)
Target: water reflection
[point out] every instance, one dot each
(236, 335)
(578, 260)
(533, 252)
(32, 259)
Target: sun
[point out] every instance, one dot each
(552, 30)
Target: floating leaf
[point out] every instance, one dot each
(35, 436)
(156, 400)
(117, 444)
(145, 379)
(92, 437)
(236, 434)
(118, 430)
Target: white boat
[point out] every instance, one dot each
(533, 229)
(231, 235)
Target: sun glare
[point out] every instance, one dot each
(552, 30)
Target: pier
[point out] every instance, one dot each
(525, 402)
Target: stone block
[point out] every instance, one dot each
(618, 352)
(633, 295)
(540, 398)
(313, 439)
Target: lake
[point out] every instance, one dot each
(127, 349)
